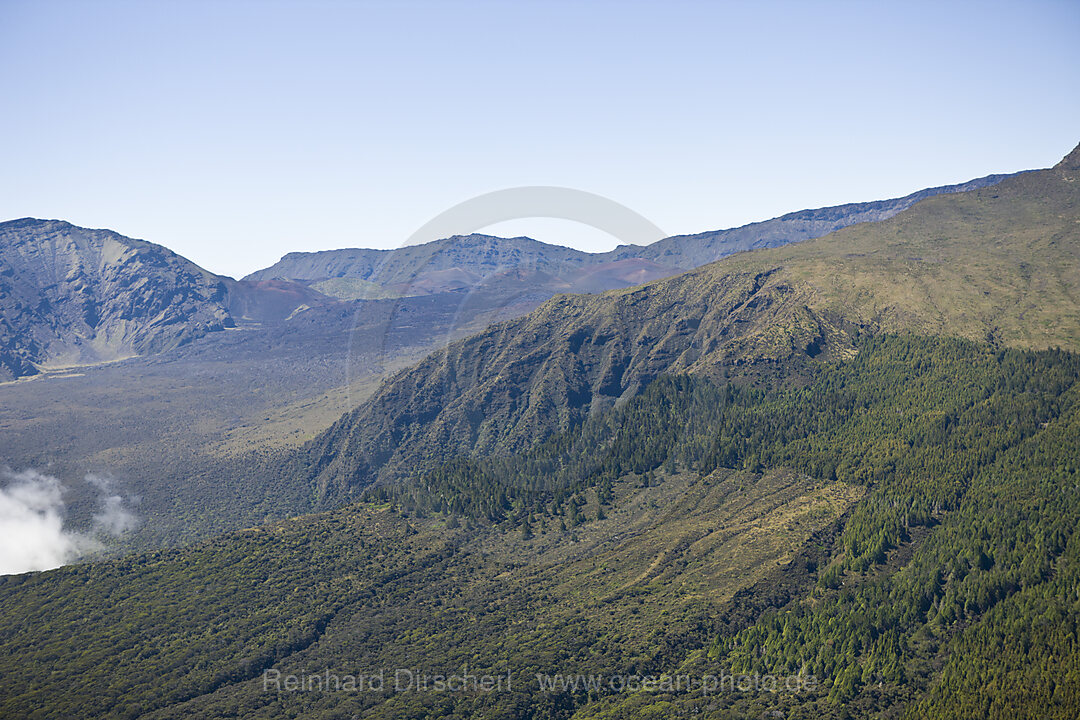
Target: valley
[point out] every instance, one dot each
(201, 420)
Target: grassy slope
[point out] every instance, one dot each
(1000, 263)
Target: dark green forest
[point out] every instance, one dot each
(973, 451)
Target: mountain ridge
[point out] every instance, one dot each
(920, 271)
(107, 311)
(486, 255)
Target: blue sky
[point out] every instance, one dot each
(234, 132)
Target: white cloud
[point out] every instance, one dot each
(113, 518)
(32, 534)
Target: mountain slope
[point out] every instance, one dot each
(902, 528)
(784, 489)
(949, 265)
(691, 251)
(270, 300)
(70, 295)
(999, 264)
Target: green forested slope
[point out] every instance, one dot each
(900, 524)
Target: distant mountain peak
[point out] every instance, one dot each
(1070, 161)
(31, 223)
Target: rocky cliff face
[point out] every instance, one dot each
(70, 295)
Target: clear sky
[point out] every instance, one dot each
(234, 132)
